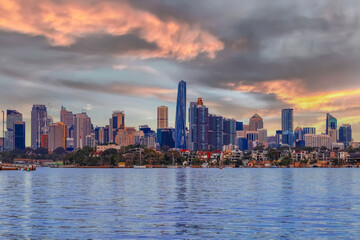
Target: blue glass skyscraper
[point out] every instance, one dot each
(180, 118)
(345, 134)
(287, 123)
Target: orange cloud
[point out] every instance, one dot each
(294, 93)
(63, 22)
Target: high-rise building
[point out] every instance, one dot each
(288, 138)
(311, 140)
(298, 134)
(165, 137)
(309, 130)
(324, 141)
(345, 134)
(216, 132)
(287, 118)
(331, 122)
(333, 134)
(229, 131)
(118, 122)
(256, 122)
(57, 136)
(12, 116)
(198, 126)
(99, 135)
(38, 121)
(278, 137)
(82, 128)
(263, 137)
(162, 117)
(67, 118)
(180, 118)
(239, 126)
(19, 135)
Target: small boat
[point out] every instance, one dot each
(137, 166)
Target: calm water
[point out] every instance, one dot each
(180, 203)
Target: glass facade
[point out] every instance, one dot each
(180, 118)
(345, 134)
(287, 117)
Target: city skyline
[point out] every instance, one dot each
(261, 57)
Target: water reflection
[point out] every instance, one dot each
(180, 203)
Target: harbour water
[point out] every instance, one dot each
(180, 203)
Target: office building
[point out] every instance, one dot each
(309, 130)
(162, 117)
(256, 122)
(287, 120)
(12, 116)
(57, 136)
(331, 122)
(229, 131)
(19, 135)
(67, 118)
(38, 122)
(263, 137)
(345, 134)
(117, 123)
(180, 118)
(82, 128)
(288, 138)
(198, 126)
(216, 132)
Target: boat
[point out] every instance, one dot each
(137, 166)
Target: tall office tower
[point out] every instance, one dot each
(118, 122)
(180, 118)
(311, 140)
(19, 135)
(288, 138)
(57, 136)
(162, 117)
(309, 130)
(278, 136)
(82, 128)
(239, 126)
(256, 122)
(263, 138)
(323, 140)
(38, 121)
(165, 137)
(12, 116)
(287, 118)
(298, 134)
(106, 134)
(345, 134)
(331, 122)
(216, 132)
(198, 126)
(229, 131)
(100, 135)
(333, 134)
(66, 117)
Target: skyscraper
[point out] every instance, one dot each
(12, 116)
(57, 136)
(19, 135)
(82, 128)
(288, 138)
(180, 118)
(345, 134)
(229, 131)
(67, 118)
(287, 120)
(331, 122)
(255, 123)
(216, 132)
(309, 130)
(38, 120)
(198, 126)
(162, 117)
(118, 122)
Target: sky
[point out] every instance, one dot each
(242, 57)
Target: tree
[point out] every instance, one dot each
(273, 154)
(59, 151)
(285, 161)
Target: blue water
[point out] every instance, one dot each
(180, 204)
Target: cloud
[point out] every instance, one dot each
(63, 22)
(168, 95)
(295, 94)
